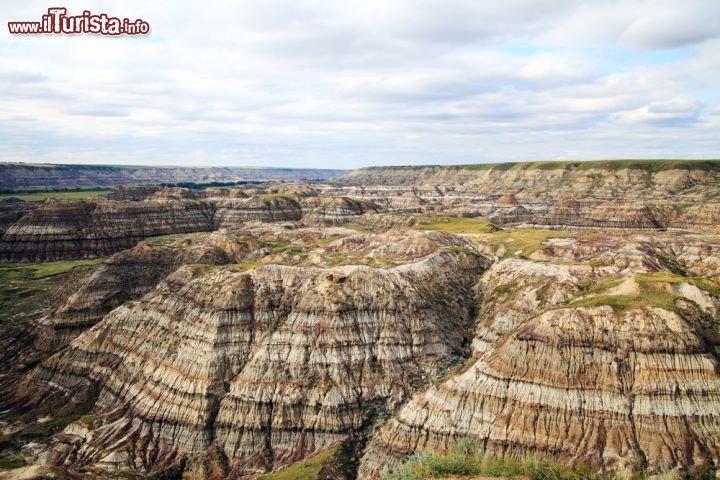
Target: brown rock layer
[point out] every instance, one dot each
(271, 364)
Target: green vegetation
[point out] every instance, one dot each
(32, 362)
(241, 267)
(272, 196)
(455, 225)
(650, 297)
(526, 240)
(465, 458)
(61, 195)
(9, 462)
(305, 470)
(166, 239)
(64, 418)
(653, 291)
(61, 416)
(24, 288)
(281, 247)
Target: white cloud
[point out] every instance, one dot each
(321, 83)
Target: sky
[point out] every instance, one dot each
(344, 84)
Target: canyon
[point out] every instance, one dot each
(567, 311)
(33, 176)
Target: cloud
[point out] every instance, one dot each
(320, 83)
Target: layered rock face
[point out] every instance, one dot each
(604, 362)
(270, 364)
(130, 274)
(311, 316)
(67, 230)
(268, 208)
(650, 195)
(11, 211)
(335, 211)
(584, 385)
(40, 177)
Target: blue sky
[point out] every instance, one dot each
(348, 84)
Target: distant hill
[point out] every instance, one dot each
(23, 176)
(549, 172)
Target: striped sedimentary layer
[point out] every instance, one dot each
(128, 275)
(64, 230)
(643, 196)
(335, 210)
(620, 388)
(270, 364)
(586, 385)
(646, 195)
(232, 212)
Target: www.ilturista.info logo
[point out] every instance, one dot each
(57, 21)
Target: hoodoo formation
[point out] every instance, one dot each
(564, 311)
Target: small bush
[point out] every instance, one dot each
(465, 458)
(11, 462)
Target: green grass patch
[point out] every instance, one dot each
(272, 196)
(307, 469)
(455, 225)
(165, 240)
(60, 419)
(24, 288)
(465, 458)
(37, 271)
(280, 247)
(525, 240)
(621, 303)
(68, 195)
(652, 291)
(242, 266)
(10, 462)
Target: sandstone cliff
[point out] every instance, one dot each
(280, 323)
(41, 176)
(270, 364)
(648, 195)
(619, 374)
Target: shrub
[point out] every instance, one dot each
(466, 458)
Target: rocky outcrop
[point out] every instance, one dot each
(323, 315)
(233, 212)
(572, 364)
(591, 195)
(270, 364)
(334, 211)
(11, 210)
(66, 230)
(130, 274)
(629, 195)
(44, 176)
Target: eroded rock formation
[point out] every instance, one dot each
(279, 322)
(270, 364)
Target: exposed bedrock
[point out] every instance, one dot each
(66, 230)
(270, 364)
(592, 194)
(130, 274)
(11, 211)
(585, 385)
(265, 208)
(626, 383)
(647, 197)
(335, 210)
